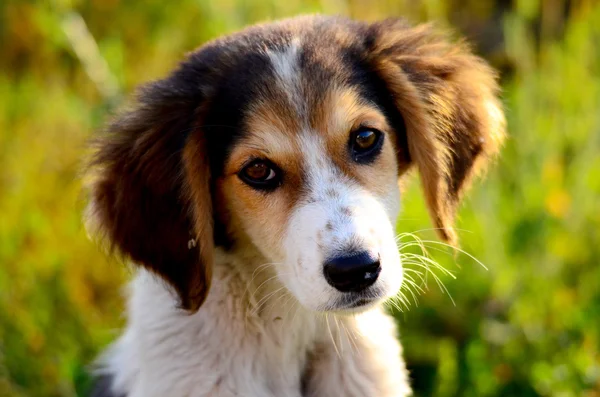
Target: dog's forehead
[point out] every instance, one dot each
(281, 74)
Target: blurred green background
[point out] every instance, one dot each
(528, 326)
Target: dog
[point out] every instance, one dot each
(257, 189)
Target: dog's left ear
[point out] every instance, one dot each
(448, 100)
(150, 187)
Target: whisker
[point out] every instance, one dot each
(402, 302)
(339, 334)
(264, 282)
(263, 300)
(407, 287)
(331, 335)
(419, 275)
(457, 249)
(437, 228)
(438, 281)
(427, 261)
(259, 269)
(351, 334)
(296, 307)
(424, 261)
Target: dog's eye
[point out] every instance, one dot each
(260, 174)
(365, 144)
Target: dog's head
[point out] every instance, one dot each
(288, 140)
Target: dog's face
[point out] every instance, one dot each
(313, 185)
(288, 139)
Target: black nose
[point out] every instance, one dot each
(352, 273)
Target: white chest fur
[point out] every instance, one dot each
(238, 346)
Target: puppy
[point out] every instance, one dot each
(256, 187)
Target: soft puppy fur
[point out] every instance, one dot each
(257, 189)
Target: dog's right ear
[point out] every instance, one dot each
(150, 187)
(448, 98)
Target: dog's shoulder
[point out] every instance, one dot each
(103, 387)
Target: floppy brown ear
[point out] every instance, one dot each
(448, 99)
(150, 193)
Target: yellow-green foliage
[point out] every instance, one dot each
(528, 326)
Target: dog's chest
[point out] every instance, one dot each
(220, 350)
(272, 358)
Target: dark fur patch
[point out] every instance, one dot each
(103, 387)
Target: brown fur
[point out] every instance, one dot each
(448, 99)
(161, 167)
(274, 134)
(344, 112)
(140, 199)
(197, 175)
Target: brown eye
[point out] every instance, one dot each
(366, 144)
(260, 174)
(259, 171)
(365, 139)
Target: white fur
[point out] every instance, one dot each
(308, 242)
(271, 325)
(286, 68)
(235, 346)
(260, 332)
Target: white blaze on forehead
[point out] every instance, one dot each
(285, 62)
(327, 184)
(287, 71)
(320, 171)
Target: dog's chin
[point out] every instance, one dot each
(355, 302)
(358, 306)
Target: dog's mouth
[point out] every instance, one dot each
(356, 301)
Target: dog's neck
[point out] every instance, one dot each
(249, 324)
(249, 281)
